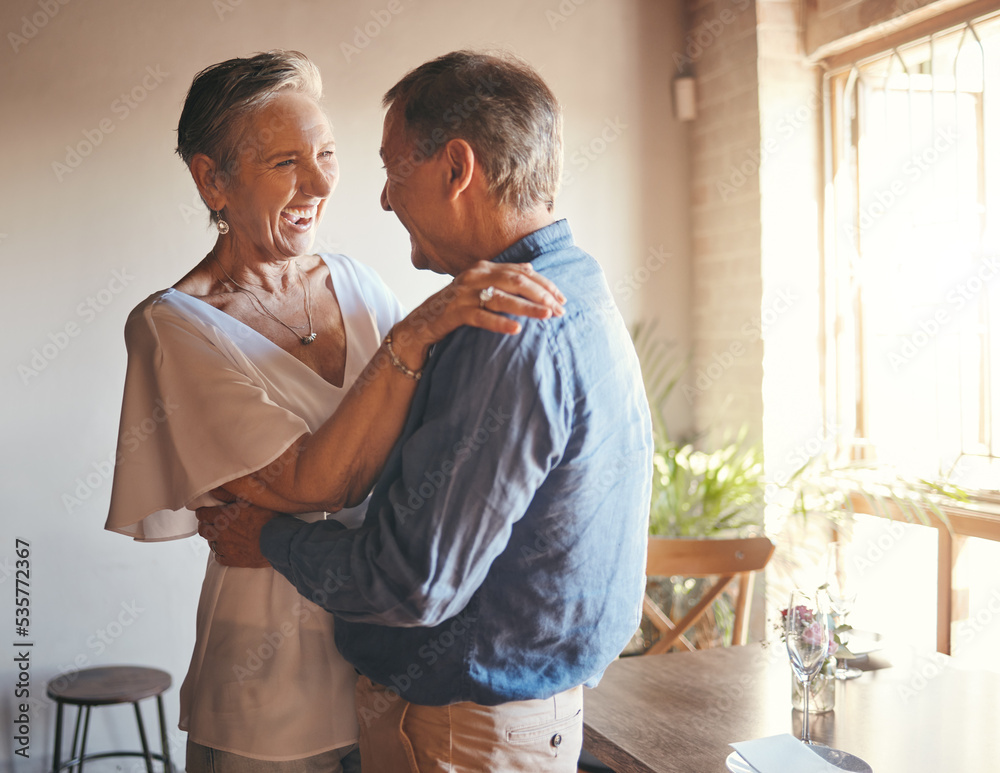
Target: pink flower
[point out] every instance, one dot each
(813, 634)
(803, 613)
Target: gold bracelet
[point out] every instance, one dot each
(398, 364)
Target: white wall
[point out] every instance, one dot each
(120, 220)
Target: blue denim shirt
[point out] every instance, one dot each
(503, 553)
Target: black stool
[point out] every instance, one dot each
(105, 687)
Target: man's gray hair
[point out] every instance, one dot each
(501, 107)
(224, 97)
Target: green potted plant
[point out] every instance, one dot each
(697, 493)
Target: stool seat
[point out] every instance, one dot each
(108, 685)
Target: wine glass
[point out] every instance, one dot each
(807, 638)
(842, 590)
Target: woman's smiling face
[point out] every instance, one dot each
(286, 170)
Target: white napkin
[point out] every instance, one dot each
(781, 754)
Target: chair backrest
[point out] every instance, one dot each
(725, 559)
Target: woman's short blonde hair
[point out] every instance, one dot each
(225, 96)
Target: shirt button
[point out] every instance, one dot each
(556, 739)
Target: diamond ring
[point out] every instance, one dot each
(485, 295)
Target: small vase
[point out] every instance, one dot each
(822, 692)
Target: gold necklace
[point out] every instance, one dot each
(262, 309)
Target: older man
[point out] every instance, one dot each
(501, 563)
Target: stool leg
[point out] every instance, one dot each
(57, 752)
(76, 734)
(83, 741)
(142, 737)
(167, 767)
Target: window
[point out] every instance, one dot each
(912, 293)
(913, 256)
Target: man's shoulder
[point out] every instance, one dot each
(590, 304)
(571, 260)
(577, 274)
(484, 350)
(589, 301)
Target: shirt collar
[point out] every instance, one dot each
(556, 236)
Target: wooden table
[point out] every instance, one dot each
(679, 711)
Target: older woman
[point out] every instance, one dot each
(245, 367)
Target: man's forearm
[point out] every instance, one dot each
(318, 559)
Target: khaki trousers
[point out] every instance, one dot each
(535, 736)
(203, 759)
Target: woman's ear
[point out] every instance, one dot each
(460, 163)
(209, 181)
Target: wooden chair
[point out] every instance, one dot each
(721, 558)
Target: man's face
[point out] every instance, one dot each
(414, 191)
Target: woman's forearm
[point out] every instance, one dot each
(336, 466)
(339, 463)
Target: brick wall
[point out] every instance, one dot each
(755, 224)
(756, 228)
(724, 388)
